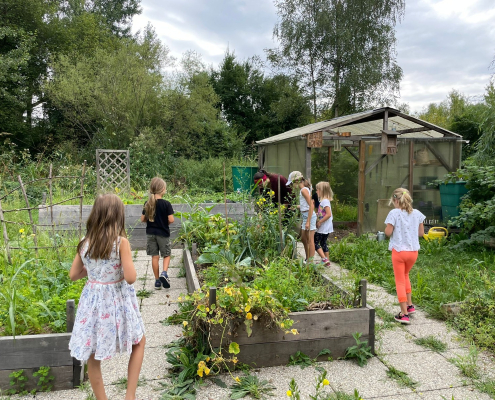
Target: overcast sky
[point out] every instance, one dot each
(442, 44)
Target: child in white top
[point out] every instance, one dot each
(108, 320)
(325, 220)
(306, 206)
(404, 226)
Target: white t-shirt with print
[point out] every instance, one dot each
(326, 226)
(405, 235)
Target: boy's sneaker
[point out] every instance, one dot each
(158, 284)
(411, 309)
(165, 280)
(403, 319)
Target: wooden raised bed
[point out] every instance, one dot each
(30, 352)
(318, 330)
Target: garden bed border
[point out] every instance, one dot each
(318, 330)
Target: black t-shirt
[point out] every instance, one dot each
(160, 226)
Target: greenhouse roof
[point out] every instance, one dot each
(367, 124)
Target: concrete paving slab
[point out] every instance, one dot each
(371, 380)
(410, 396)
(75, 394)
(158, 335)
(485, 361)
(437, 329)
(396, 341)
(175, 283)
(429, 369)
(164, 297)
(154, 365)
(156, 314)
(459, 393)
(148, 389)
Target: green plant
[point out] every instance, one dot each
(301, 359)
(387, 319)
(401, 377)
(360, 351)
(121, 383)
(44, 379)
(251, 385)
(431, 342)
(468, 363)
(17, 381)
(144, 293)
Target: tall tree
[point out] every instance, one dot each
(343, 51)
(258, 105)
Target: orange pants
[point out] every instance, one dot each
(403, 262)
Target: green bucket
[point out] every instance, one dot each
(450, 197)
(243, 178)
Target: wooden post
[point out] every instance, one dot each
(361, 185)
(194, 250)
(81, 200)
(280, 218)
(362, 291)
(5, 234)
(411, 166)
(225, 200)
(385, 120)
(213, 296)
(330, 148)
(307, 172)
(70, 307)
(33, 226)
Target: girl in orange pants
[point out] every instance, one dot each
(404, 226)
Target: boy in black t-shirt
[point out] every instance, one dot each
(158, 215)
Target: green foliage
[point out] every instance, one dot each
(432, 343)
(468, 363)
(44, 379)
(401, 377)
(301, 359)
(251, 385)
(144, 293)
(17, 382)
(360, 351)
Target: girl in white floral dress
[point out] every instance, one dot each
(108, 319)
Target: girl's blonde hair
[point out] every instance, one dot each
(325, 191)
(157, 186)
(106, 223)
(404, 198)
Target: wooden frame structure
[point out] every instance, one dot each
(113, 170)
(371, 127)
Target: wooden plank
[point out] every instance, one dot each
(307, 172)
(191, 277)
(34, 351)
(371, 340)
(63, 378)
(411, 167)
(428, 125)
(274, 354)
(351, 153)
(361, 185)
(439, 157)
(311, 325)
(374, 164)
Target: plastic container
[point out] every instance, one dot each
(450, 198)
(243, 178)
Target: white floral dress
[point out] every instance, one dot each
(108, 320)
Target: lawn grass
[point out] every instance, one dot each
(442, 274)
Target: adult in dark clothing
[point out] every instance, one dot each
(267, 181)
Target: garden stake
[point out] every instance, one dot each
(5, 235)
(225, 200)
(81, 200)
(35, 239)
(362, 292)
(51, 207)
(213, 296)
(280, 219)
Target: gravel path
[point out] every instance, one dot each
(437, 378)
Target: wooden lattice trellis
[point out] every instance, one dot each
(113, 170)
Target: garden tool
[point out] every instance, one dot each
(436, 232)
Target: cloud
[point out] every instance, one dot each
(442, 44)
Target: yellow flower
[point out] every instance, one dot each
(207, 359)
(201, 364)
(294, 331)
(207, 309)
(237, 379)
(289, 393)
(179, 299)
(184, 323)
(248, 307)
(325, 382)
(249, 316)
(207, 371)
(282, 325)
(271, 193)
(21, 230)
(235, 360)
(200, 372)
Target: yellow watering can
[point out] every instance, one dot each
(436, 232)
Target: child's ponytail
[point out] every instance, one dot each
(404, 198)
(157, 186)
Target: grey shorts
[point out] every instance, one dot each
(158, 245)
